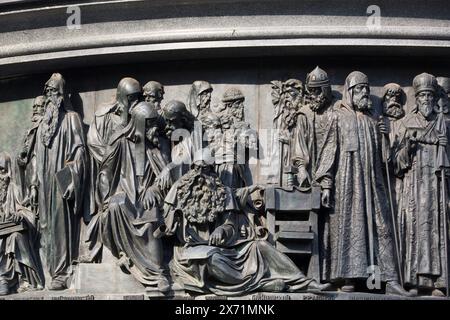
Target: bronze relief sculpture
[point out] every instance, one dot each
(420, 161)
(165, 188)
(211, 254)
(131, 193)
(19, 259)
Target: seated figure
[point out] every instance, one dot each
(213, 255)
(130, 192)
(19, 265)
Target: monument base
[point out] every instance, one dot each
(71, 294)
(108, 280)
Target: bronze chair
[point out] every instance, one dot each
(292, 221)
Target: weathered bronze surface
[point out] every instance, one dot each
(356, 198)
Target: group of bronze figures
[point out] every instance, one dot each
(149, 178)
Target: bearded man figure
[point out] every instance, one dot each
(25, 155)
(315, 140)
(235, 138)
(315, 146)
(393, 102)
(361, 228)
(179, 126)
(131, 190)
(59, 182)
(211, 255)
(421, 134)
(19, 264)
(287, 99)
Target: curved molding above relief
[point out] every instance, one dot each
(34, 37)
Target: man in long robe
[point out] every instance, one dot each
(361, 227)
(131, 191)
(287, 99)
(19, 264)
(235, 139)
(60, 172)
(25, 155)
(393, 101)
(314, 149)
(422, 133)
(108, 119)
(179, 129)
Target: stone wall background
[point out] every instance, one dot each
(89, 87)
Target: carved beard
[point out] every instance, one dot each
(201, 197)
(4, 184)
(290, 113)
(237, 114)
(425, 108)
(363, 103)
(316, 103)
(36, 117)
(153, 136)
(393, 109)
(231, 116)
(50, 120)
(203, 108)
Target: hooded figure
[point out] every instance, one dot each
(19, 264)
(58, 185)
(108, 119)
(199, 98)
(361, 233)
(130, 193)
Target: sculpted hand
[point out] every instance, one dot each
(217, 237)
(382, 127)
(17, 217)
(165, 179)
(260, 232)
(442, 140)
(326, 195)
(412, 142)
(303, 177)
(149, 200)
(34, 196)
(70, 192)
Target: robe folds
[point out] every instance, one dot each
(314, 148)
(59, 218)
(100, 131)
(19, 259)
(420, 216)
(361, 215)
(241, 265)
(123, 225)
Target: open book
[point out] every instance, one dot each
(9, 227)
